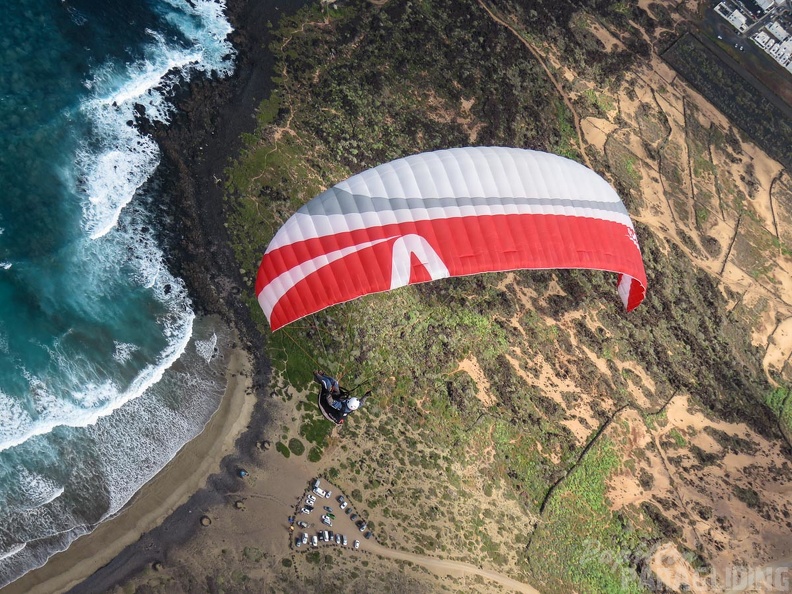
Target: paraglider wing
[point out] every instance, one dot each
(447, 213)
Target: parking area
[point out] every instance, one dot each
(325, 517)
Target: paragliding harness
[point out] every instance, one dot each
(327, 398)
(331, 413)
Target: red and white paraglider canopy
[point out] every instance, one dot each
(447, 213)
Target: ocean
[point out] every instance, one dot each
(105, 369)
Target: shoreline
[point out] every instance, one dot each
(204, 136)
(184, 475)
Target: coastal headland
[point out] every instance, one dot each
(523, 431)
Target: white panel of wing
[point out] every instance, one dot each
(462, 173)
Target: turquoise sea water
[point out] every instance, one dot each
(105, 372)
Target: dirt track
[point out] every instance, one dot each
(444, 567)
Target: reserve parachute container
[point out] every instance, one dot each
(447, 213)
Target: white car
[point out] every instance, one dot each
(314, 541)
(305, 538)
(343, 505)
(344, 540)
(320, 492)
(305, 510)
(327, 521)
(357, 544)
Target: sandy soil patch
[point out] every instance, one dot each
(733, 495)
(596, 131)
(484, 390)
(676, 572)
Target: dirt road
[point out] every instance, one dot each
(444, 567)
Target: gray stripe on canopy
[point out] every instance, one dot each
(339, 202)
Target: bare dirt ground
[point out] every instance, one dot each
(252, 537)
(729, 209)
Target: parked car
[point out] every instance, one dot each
(357, 544)
(298, 541)
(305, 538)
(368, 534)
(348, 511)
(362, 525)
(344, 540)
(314, 541)
(302, 524)
(340, 499)
(353, 517)
(326, 536)
(328, 494)
(327, 508)
(319, 492)
(327, 521)
(306, 510)
(343, 505)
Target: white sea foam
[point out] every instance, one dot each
(41, 397)
(105, 398)
(206, 348)
(124, 159)
(208, 30)
(134, 446)
(15, 420)
(81, 392)
(35, 490)
(12, 551)
(123, 351)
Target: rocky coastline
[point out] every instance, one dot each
(198, 144)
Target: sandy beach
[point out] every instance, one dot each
(184, 475)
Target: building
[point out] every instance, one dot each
(733, 14)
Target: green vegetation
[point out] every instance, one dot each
(568, 143)
(355, 93)
(748, 496)
(677, 437)
(590, 546)
(600, 101)
(296, 447)
(780, 403)
(281, 447)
